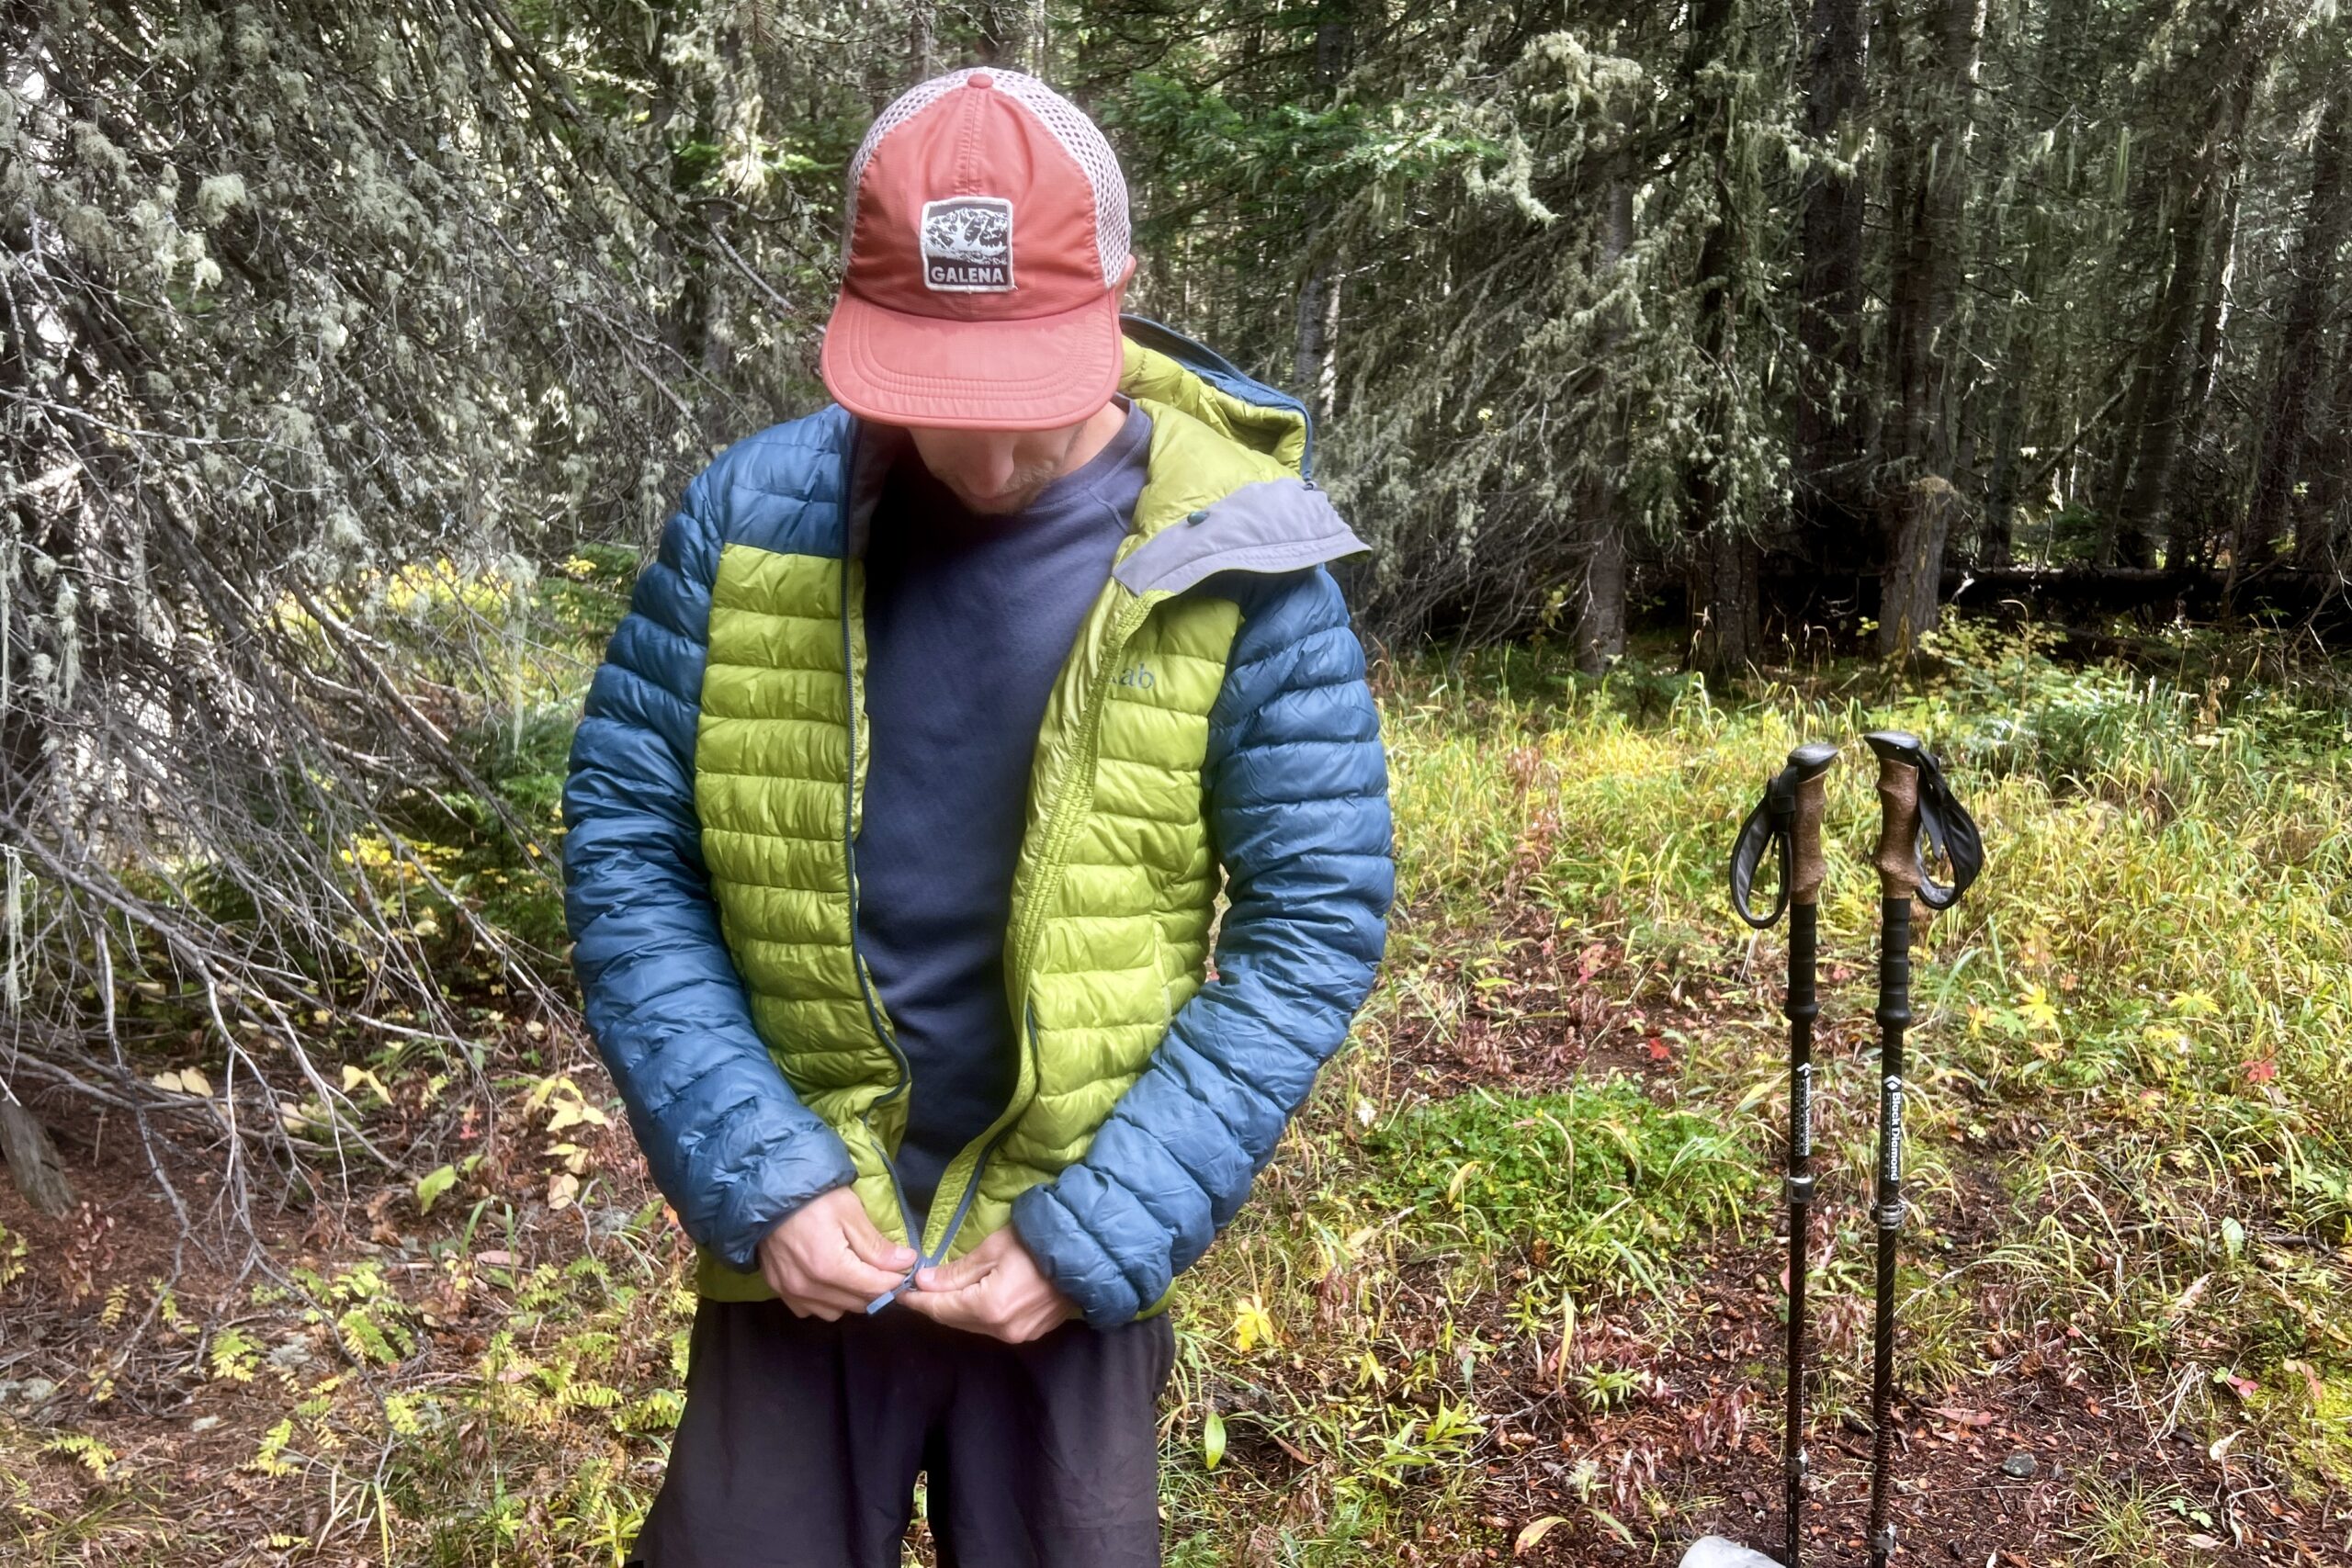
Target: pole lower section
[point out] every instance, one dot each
(1803, 1007)
(1893, 1018)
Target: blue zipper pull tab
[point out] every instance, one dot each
(887, 1297)
(920, 1263)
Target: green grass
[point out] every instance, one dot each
(1602, 1189)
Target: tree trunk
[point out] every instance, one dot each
(1315, 366)
(2322, 527)
(30, 741)
(2058, 55)
(1004, 32)
(1721, 568)
(923, 40)
(1999, 533)
(1924, 175)
(1831, 491)
(1600, 610)
(2187, 541)
(1908, 604)
(718, 347)
(2325, 219)
(1727, 631)
(2162, 397)
(1927, 167)
(2159, 396)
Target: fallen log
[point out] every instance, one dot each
(2196, 593)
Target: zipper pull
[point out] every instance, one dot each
(887, 1297)
(921, 1262)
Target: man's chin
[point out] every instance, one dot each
(996, 506)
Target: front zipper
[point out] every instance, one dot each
(1061, 822)
(1006, 1124)
(849, 871)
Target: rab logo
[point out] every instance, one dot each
(967, 244)
(1140, 675)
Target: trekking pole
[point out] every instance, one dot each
(1790, 818)
(1914, 804)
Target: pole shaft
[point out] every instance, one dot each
(1894, 1019)
(1803, 1007)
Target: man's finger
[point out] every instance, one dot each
(873, 1248)
(846, 1287)
(961, 1274)
(954, 1310)
(843, 1271)
(843, 1299)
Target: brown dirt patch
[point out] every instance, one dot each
(1535, 1007)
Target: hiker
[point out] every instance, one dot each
(894, 821)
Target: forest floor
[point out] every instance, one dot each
(1511, 1290)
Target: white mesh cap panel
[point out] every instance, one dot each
(1063, 120)
(1081, 140)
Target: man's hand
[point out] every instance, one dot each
(995, 1288)
(826, 1259)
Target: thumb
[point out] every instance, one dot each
(970, 1269)
(872, 1247)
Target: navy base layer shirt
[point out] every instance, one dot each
(967, 621)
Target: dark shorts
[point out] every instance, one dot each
(800, 1441)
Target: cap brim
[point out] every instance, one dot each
(1037, 373)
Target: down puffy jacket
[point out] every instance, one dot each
(1212, 713)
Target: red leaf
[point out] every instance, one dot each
(2261, 1070)
(1659, 1050)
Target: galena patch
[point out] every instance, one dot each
(967, 244)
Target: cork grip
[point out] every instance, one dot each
(1898, 837)
(1806, 868)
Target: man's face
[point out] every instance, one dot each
(994, 472)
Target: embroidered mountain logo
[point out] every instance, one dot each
(967, 244)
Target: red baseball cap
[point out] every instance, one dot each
(983, 248)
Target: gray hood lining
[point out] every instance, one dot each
(1271, 526)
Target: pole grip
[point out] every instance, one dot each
(1898, 833)
(1807, 870)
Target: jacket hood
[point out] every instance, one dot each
(1166, 366)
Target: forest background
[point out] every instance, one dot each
(1701, 358)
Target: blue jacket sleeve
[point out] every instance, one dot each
(730, 1145)
(1297, 783)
